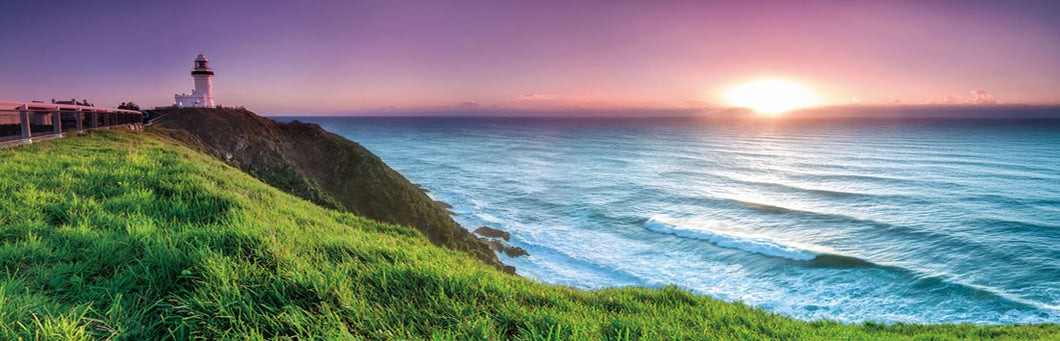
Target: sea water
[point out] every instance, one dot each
(917, 221)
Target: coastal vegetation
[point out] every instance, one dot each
(314, 164)
(125, 235)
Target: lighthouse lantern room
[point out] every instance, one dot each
(202, 95)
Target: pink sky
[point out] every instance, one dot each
(353, 57)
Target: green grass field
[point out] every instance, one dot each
(128, 236)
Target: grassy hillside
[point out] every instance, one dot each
(130, 236)
(327, 169)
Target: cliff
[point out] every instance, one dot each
(329, 170)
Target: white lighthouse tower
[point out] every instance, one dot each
(202, 95)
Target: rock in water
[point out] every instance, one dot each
(494, 245)
(499, 246)
(515, 251)
(487, 231)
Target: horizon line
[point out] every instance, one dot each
(891, 110)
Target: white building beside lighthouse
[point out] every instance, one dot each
(202, 95)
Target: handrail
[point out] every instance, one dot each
(35, 105)
(40, 121)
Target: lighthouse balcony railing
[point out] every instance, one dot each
(28, 122)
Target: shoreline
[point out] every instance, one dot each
(492, 205)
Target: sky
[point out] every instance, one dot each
(333, 57)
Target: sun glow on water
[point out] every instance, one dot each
(771, 96)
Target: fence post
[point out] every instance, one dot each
(78, 117)
(23, 117)
(57, 120)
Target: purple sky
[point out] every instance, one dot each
(310, 57)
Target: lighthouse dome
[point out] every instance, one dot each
(201, 58)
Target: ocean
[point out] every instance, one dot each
(886, 220)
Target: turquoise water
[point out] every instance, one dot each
(853, 220)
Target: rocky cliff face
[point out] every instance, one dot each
(307, 161)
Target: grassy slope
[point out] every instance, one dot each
(127, 235)
(309, 162)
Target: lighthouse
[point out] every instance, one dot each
(202, 95)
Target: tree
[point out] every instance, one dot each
(129, 106)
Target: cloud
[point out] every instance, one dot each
(951, 99)
(468, 106)
(980, 96)
(699, 104)
(559, 101)
(537, 97)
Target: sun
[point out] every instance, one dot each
(771, 96)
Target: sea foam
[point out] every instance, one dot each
(853, 221)
(684, 228)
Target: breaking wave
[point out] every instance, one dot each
(665, 224)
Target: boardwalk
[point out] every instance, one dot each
(30, 122)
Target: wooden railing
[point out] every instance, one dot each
(29, 122)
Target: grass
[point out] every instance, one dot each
(305, 160)
(129, 236)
